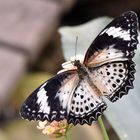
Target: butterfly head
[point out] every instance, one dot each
(77, 61)
(74, 62)
(78, 57)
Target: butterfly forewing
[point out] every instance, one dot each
(116, 42)
(50, 100)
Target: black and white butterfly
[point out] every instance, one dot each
(107, 70)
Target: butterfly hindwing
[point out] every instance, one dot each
(49, 101)
(114, 79)
(116, 42)
(86, 106)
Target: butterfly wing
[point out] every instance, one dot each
(86, 106)
(116, 42)
(109, 58)
(54, 100)
(50, 100)
(114, 79)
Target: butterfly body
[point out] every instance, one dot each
(81, 69)
(107, 70)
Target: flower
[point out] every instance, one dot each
(54, 129)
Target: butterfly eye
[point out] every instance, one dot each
(76, 62)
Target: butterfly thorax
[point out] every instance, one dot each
(81, 69)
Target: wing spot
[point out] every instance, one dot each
(88, 99)
(81, 109)
(75, 95)
(72, 107)
(112, 77)
(114, 85)
(96, 102)
(101, 72)
(77, 109)
(108, 66)
(108, 73)
(87, 108)
(114, 74)
(85, 101)
(82, 89)
(82, 96)
(109, 81)
(120, 75)
(117, 80)
(114, 65)
(73, 102)
(106, 84)
(91, 104)
(120, 70)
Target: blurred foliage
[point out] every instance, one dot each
(23, 130)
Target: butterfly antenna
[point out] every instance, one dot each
(76, 46)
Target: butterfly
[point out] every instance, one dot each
(108, 71)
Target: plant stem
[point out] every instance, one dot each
(67, 138)
(102, 126)
(63, 138)
(67, 135)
